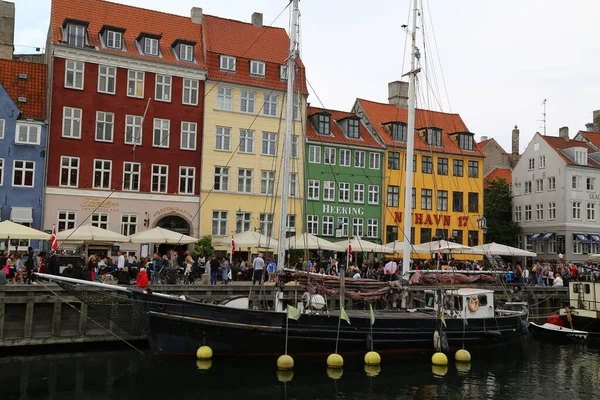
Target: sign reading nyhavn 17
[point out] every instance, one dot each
(432, 219)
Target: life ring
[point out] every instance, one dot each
(473, 304)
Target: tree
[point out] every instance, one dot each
(203, 248)
(497, 202)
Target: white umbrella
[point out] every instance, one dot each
(498, 249)
(161, 236)
(397, 246)
(310, 242)
(11, 230)
(89, 234)
(249, 239)
(439, 246)
(359, 244)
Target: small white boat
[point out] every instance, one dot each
(558, 332)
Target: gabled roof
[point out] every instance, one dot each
(33, 89)
(558, 143)
(484, 142)
(499, 172)
(380, 113)
(337, 134)
(592, 137)
(134, 20)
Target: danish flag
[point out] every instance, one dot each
(53, 240)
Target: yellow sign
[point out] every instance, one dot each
(93, 204)
(173, 209)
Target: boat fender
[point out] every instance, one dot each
(473, 304)
(493, 333)
(523, 327)
(445, 347)
(436, 341)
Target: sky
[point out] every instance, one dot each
(499, 59)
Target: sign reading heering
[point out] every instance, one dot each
(329, 209)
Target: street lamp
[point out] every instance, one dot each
(482, 224)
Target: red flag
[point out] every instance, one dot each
(232, 245)
(439, 250)
(349, 250)
(53, 240)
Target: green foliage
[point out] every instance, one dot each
(203, 248)
(295, 255)
(497, 202)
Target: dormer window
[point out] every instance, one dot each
(114, 40)
(353, 128)
(75, 32)
(399, 130)
(433, 136)
(465, 141)
(283, 72)
(186, 52)
(581, 156)
(227, 63)
(151, 46)
(323, 122)
(257, 68)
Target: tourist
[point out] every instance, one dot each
(142, 278)
(259, 265)
(225, 271)
(550, 276)
(525, 276)
(558, 282)
(356, 274)
(120, 261)
(91, 267)
(214, 269)
(271, 269)
(3, 274)
(390, 270)
(53, 267)
(68, 272)
(189, 263)
(29, 265)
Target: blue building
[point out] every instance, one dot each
(23, 128)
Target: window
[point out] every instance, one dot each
(248, 101)
(374, 161)
(133, 129)
(576, 182)
(528, 243)
(359, 193)
(186, 52)
(473, 169)
(576, 211)
(465, 141)
(542, 162)
(113, 40)
(434, 136)
(373, 194)
(426, 164)
(345, 156)
(552, 183)
(74, 74)
(578, 245)
(257, 68)
(552, 210)
(187, 177)
(457, 235)
(290, 223)
(552, 245)
(1, 171)
(223, 138)
(244, 180)
(283, 75)
(131, 176)
(129, 224)
(323, 124)
(426, 199)
(414, 198)
(270, 105)
(219, 223)
(394, 160)
(69, 171)
(314, 154)
(107, 77)
(344, 192)
(327, 225)
(293, 184)
(71, 122)
(539, 185)
(590, 184)
(359, 159)
(442, 166)
(224, 98)
(104, 126)
(312, 224)
(353, 129)
(372, 227)
(528, 187)
(76, 35)
(458, 169)
(244, 223)
(266, 224)
(188, 135)
(473, 237)
(425, 235)
(358, 226)
(457, 202)
(343, 225)
(294, 150)
(269, 144)
(518, 214)
(246, 141)
(442, 200)
(135, 84)
(27, 133)
(1, 128)
(160, 175)
(313, 189)
(329, 191)
(393, 196)
(163, 87)
(151, 46)
(66, 220)
(221, 181)
(539, 212)
(528, 212)
(190, 92)
(399, 132)
(580, 157)
(100, 220)
(329, 156)
(161, 132)
(267, 182)
(531, 164)
(102, 172)
(227, 63)
(591, 212)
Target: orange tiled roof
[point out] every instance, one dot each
(337, 134)
(499, 172)
(483, 143)
(33, 89)
(135, 20)
(592, 137)
(380, 113)
(558, 143)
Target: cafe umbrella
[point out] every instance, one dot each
(10, 230)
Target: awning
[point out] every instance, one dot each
(21, 215)
(582, 237)
(594, 237)
(535, 236)
(547, 236)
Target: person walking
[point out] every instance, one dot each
(259, 266)
(29, 266)
(214, 269)
(225, 270)
(121, 261)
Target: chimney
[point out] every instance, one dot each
(483, 138)
(589, 127)
(597, 121)
(563, 133)
(196, 15)
(257, 19)
(398, 94)
(7, 30)
(515, 143)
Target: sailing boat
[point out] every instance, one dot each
(178, 325)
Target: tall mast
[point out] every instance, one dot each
(410, 145)
(287, 139)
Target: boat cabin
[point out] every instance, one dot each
(462, 303)
(584, 295)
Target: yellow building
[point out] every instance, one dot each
(244, 127)
(447, 189)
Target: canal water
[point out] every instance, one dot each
(529, 370)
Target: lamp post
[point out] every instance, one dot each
(482, 224)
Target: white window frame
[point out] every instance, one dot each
(107, 79)
(541, 162)
(358, 225)
(590, 213)
(130, 171)
(189, 135)
(283, 73)
(269, 144)
(163, 84)
(528, 213)
(26, 167)
(245, 180)
(26, 133)
(531, 164)
(327, 225)
(314, 154)
(227, 63)
(590, 184)
(345, 158)
(551, 211)
(539, 212)
(328, 191)
(73, 117)
(161, 172)
(75, 69)
(359, 193)
(528, 187)
(293, 184)
(2, 125)
(246, 141)
(314, 189)
(539, 185)
(312, 224)
(244, 224)
(343, 224)
(104, 180)
(518, 214)
(551, 183)
(151, 46)
(576, 182)
(187, 180)
(189, 95)
(76, 35)
(344, 192)
(372, 227)
(576, 210)
(1, 171)
(69, 220)
(224, 98)
(133, 130)
(99, 219)
(290, 223)
(114, 40)
(135, 83)
(267, 182)
(257, 68)
(265, 223)
(221, 179)
(359, 159)
(373, 197)
(70, 168)
(248, 101)
(186, 52)
(329, 155)
(374, 161)
(105, 126)
(294, 149)
(223, 138)
(270, 104)
(220, 223)
(129, 224)
(161, 131)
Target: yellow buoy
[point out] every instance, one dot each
(462, 355)
(204, 353)
(285, 362)
(204, 364)
(335, 361)
(285, 376)
(439, 359)
(372, 370)
(372, 358)
(439, 370)
(463, 367)
(335, 373)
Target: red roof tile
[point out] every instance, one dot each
(558, 143)
(499, 172)
(33, 88)
(592, 137)
(337, 134)
(380, 113)
(483, 143)
(135, 20)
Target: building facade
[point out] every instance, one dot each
(127, 106)
(343, 176)
(244, 126)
